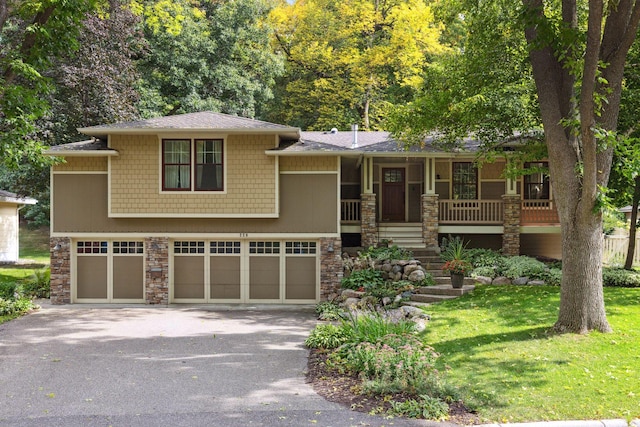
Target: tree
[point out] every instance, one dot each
(97, 82)
(31, 34)
(577, 52)
(348, 61)
(207, 55)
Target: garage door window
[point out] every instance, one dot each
(300, 248)
(224, 248)
(188, 247)
(264, 247)
(128, 247)
(92, 247)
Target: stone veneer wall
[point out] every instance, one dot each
(368, 226)
(156, 284)
(60, 270)
(430, 221)
(331, 269)
(511, 233)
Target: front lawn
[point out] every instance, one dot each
(505, 360)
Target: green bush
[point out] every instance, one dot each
(391, 253)
(38, 285)
(618, 277)
(327, 336)
(15, 306)
(327, 310)
(387, 289)
(523, 266)
(485, 258)
(8, 290)
(553, 277)
(370, 327)
(361, 278)
(485, 271)
(427, 407)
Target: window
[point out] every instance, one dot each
(465, 181)
(264, 247)
(208, 161)
(536, 184)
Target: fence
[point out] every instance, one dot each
(615, 250)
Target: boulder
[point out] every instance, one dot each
(536, 283)
(501, 281)
(350, 293)
(483, 280)
(351, 302)
(520, 281)
(416, 276)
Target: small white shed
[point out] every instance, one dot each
(10, 205)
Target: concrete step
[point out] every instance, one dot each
(445, 290)
(416, 304)
(431, 298)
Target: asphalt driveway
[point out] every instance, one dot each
(175, 366)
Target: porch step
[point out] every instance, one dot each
(403, 235)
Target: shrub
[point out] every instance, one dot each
(361, 278)
(485, 271)
(384, 252)
(485, 258)
(387, 289)
(618, 277)
(427, 407)
(553, 277)
(8, 290)
(523, 266)
(370, 327)
(38, 285)
(327, 336)
(15, 306)
(327, 310)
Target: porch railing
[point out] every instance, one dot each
(471, 211)
(538, 212)
(350, 211)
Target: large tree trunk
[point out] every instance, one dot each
(581, 294)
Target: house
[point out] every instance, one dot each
(10, 205)
(212, 208)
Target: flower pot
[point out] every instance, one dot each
(457, 280)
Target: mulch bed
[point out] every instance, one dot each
(346, 390)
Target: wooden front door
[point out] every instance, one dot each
(393, 193)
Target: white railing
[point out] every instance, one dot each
(539, 212)
(350, 211)
(471, 211)
(615, 250)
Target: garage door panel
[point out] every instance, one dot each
(91, 277)
(188, 277)
(264, 274)
(225, 277)
(128, 277)
(300, 278)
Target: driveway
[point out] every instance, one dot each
(175, 366)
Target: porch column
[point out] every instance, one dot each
(430, 221)
(330, 267)
(368, 226)
(60, 248)
(511, 233)
(156, 283)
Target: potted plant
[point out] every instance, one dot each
(456, 262)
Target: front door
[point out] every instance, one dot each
(393, 193)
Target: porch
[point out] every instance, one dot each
(508, 217)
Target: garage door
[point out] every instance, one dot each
(233, 271)
(109, 271)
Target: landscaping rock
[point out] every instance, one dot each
(501, 281)
(350, 293)
(386, 301)
(483, 280)
(536, 283)
(416, 276)
(351, 302)
(520, 281)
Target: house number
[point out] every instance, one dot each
(244, 234)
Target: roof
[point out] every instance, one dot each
(341, 142)
(8, 197)
(205, 121)
(627, 209)
(95, 147)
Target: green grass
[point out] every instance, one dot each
(34, 245)
(509, 365)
